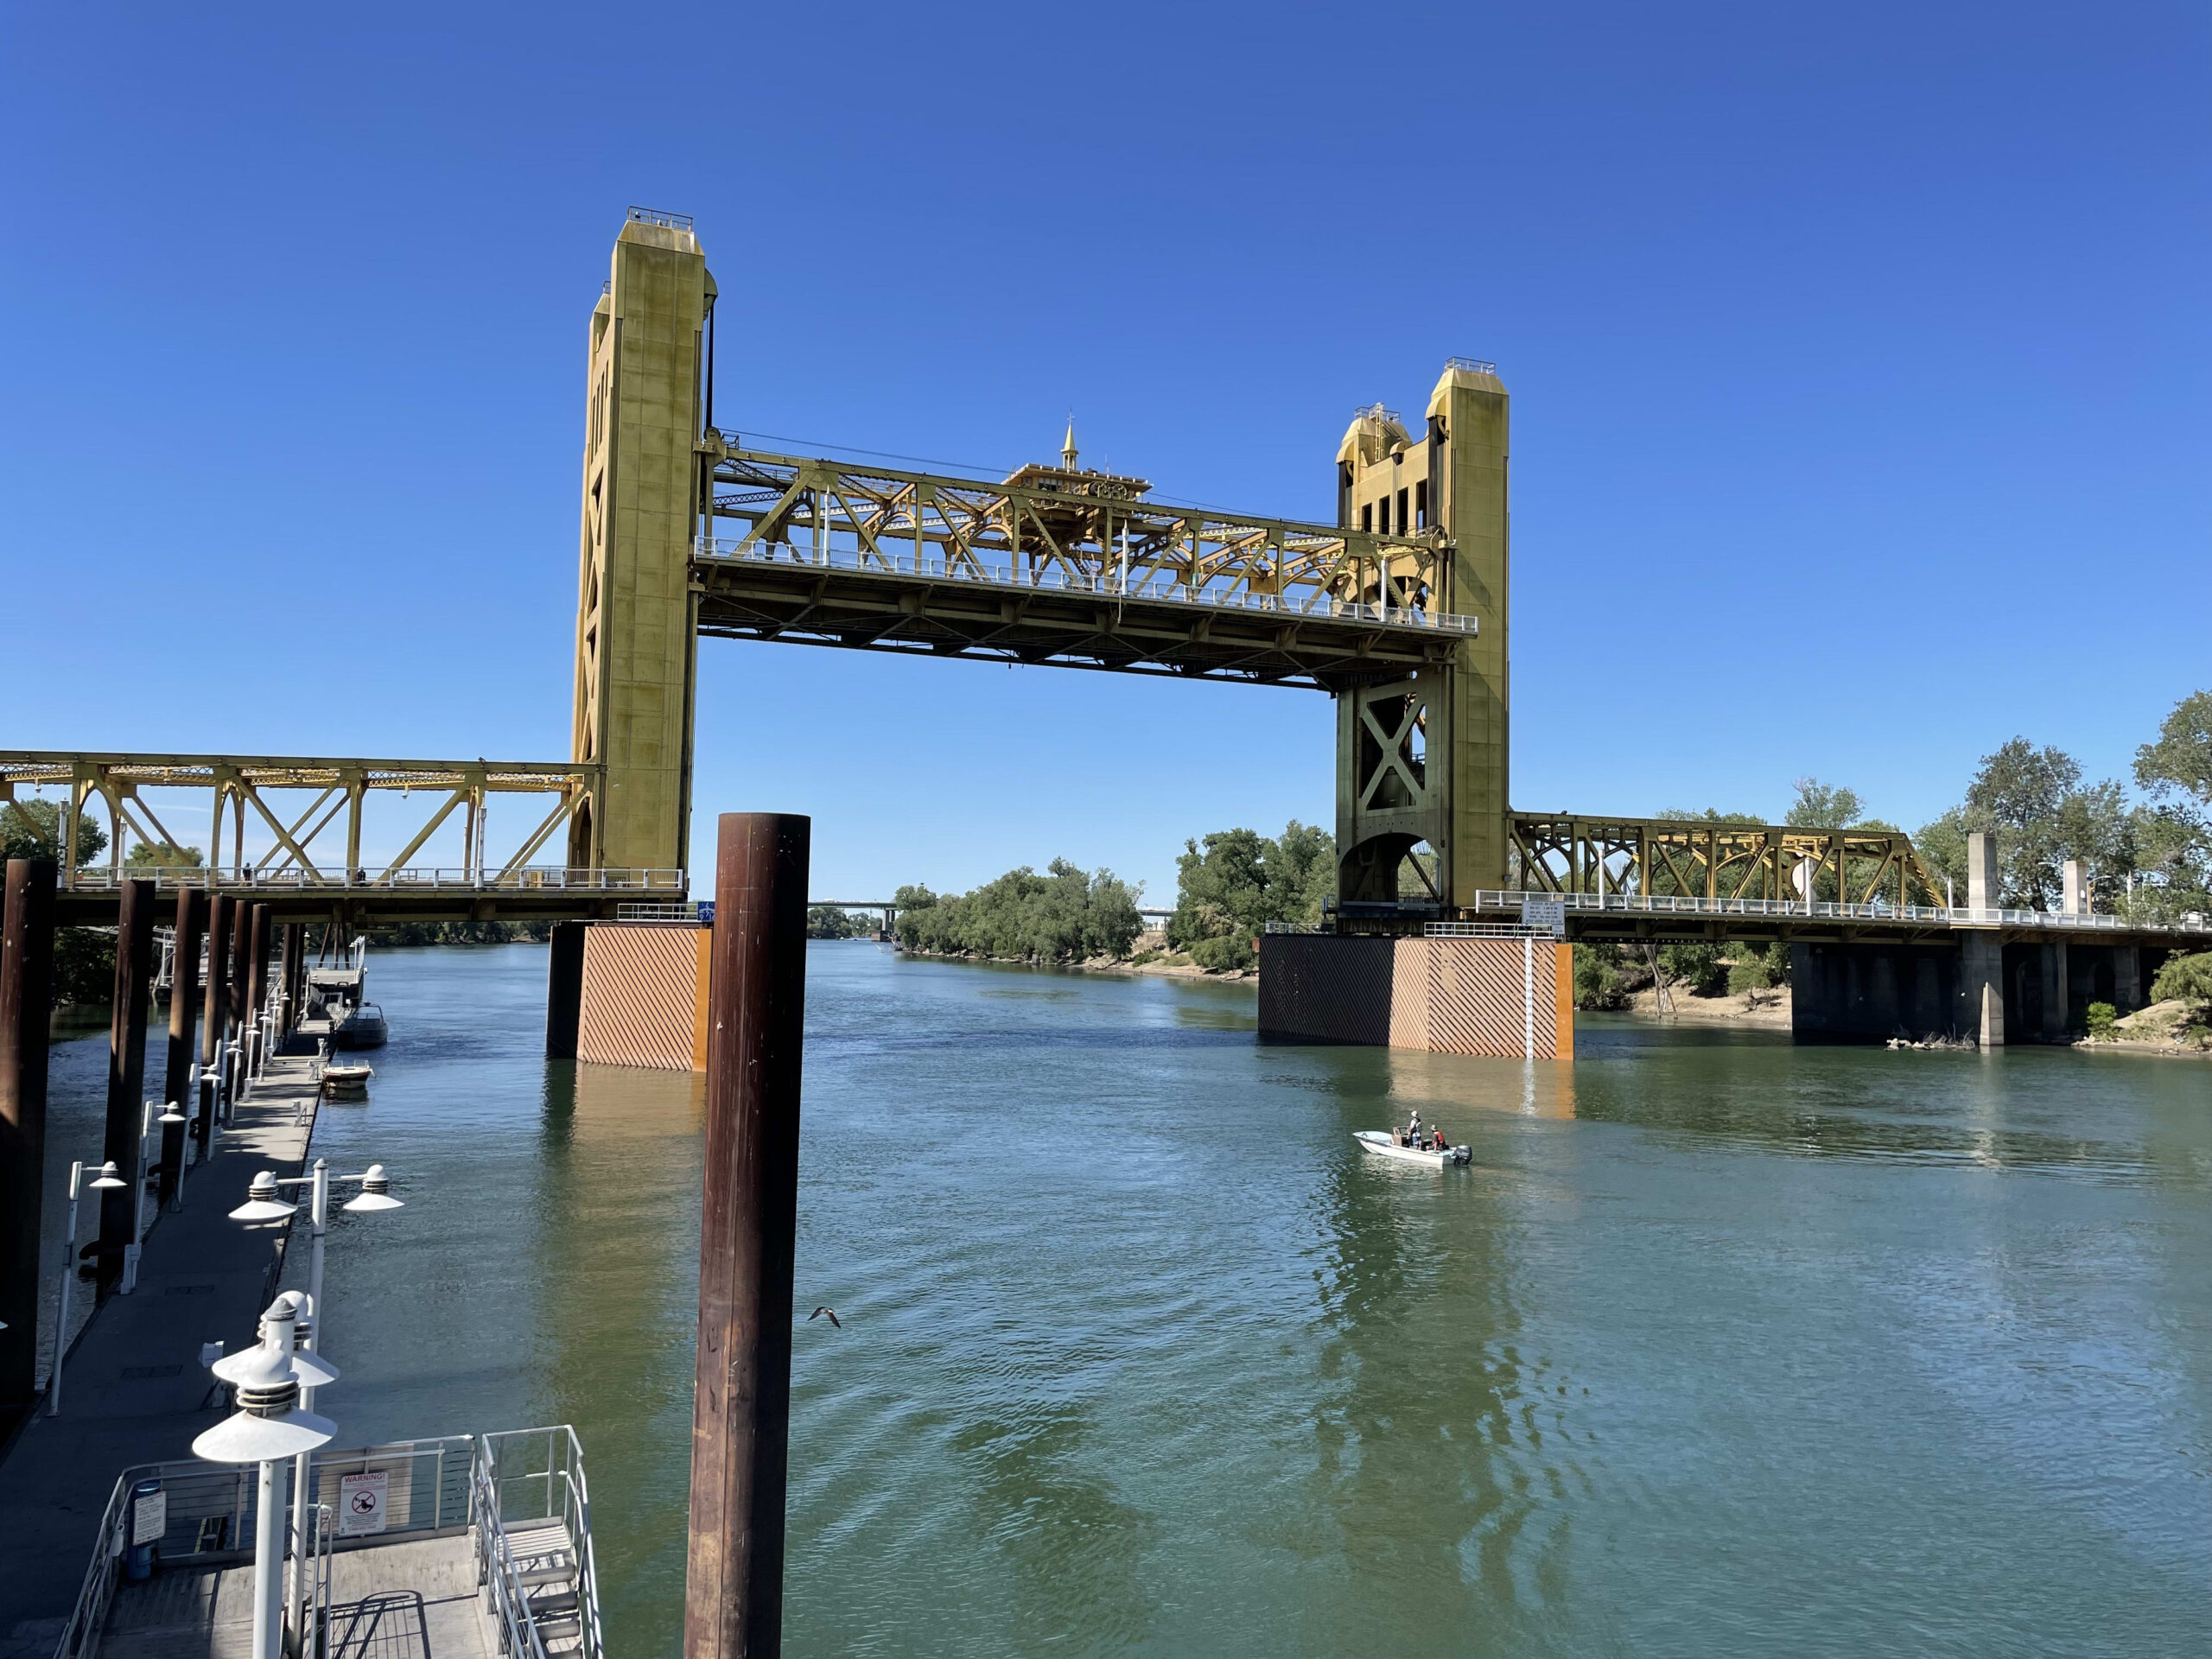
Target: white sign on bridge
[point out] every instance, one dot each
(1547, 913)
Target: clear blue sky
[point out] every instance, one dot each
(1859, 365)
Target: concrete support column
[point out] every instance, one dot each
(2074, 883)
(215, 1010)
(26, 1006)
(1981, 987)
(564, 991)
(1982, 890)
(2126, 977)
(2055, 989)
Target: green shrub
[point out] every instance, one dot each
(2102, 1017)
(1598, 977)
(1749, 975)
(1143, 957)
(1220, 955)
(1696, 965)
(2187, 978)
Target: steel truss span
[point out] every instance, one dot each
(1703, 859)
(1063, 568)
(270, 787)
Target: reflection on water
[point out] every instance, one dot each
(1721, 1347)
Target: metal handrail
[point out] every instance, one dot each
(536, 877)
(1825, 909)
(80, 1636)
(569, 1501)
(497, 1571)
(892, 561)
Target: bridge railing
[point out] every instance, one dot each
(530, 879)
(892, 561)
(1823, 910)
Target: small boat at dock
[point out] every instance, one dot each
(1383, 1144)
(346, 1082)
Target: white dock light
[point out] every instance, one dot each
(107, 1177)
(268, 1427)
(375, 1193)
(261, 1203)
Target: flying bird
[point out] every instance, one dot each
(819, 1312)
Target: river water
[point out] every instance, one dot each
(1721, 1347)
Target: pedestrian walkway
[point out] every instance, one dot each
(133, 1389)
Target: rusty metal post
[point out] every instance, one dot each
(741, 1390)
(214, 1009)
(258, 992)
(236, 1012)
(295, 959)
(26, 1008)
(184, 1013)
(126, 1078)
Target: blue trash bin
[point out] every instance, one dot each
(146, 1518)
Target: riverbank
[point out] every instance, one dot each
(1767, 1010)
(1164, 965)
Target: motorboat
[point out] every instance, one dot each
(346, 1082)
(361, 1027)
(1383, 1144)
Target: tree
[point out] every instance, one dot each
(19, 841)
(830, 922)
(2033, 805)
(1065, 915)
(147, 855)
(2173, 835)
(1820, 807)
(1227, 892)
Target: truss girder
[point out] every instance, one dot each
(259, 784)
(885, 517)
(1706, 859)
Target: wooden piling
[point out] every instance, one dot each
(295, 959)
(214, 1009)
(184, 1013)
(26, 1008)
(257, 990)
(237, 1012)
(126, 1077)
(740, 1413)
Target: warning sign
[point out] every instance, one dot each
(149, 1517)
(361, 1500)
(1550, 914)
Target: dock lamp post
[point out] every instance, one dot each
(268, 1427)
(104, 1178)
(265, 1204)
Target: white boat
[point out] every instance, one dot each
(1383, 1144)
(346, 1082)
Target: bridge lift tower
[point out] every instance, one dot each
(1421, 533)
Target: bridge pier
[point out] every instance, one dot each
(564, 990)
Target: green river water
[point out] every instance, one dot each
(1722, 1346)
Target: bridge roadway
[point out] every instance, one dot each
(1617, 918)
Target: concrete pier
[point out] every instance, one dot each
(132, 1386)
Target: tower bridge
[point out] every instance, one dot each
(1400, 611)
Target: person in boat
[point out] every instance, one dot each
(1438, 1143)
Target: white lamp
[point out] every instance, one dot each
(375, 1193)
(267, 1428)
(261, 1203)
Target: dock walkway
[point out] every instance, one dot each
(133, 1390)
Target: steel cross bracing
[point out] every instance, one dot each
(311, 810)
(1063, 566)
(1704, 859)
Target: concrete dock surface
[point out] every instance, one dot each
(133, 1388)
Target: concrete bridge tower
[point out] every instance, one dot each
(637, 634)
(1424, 758)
